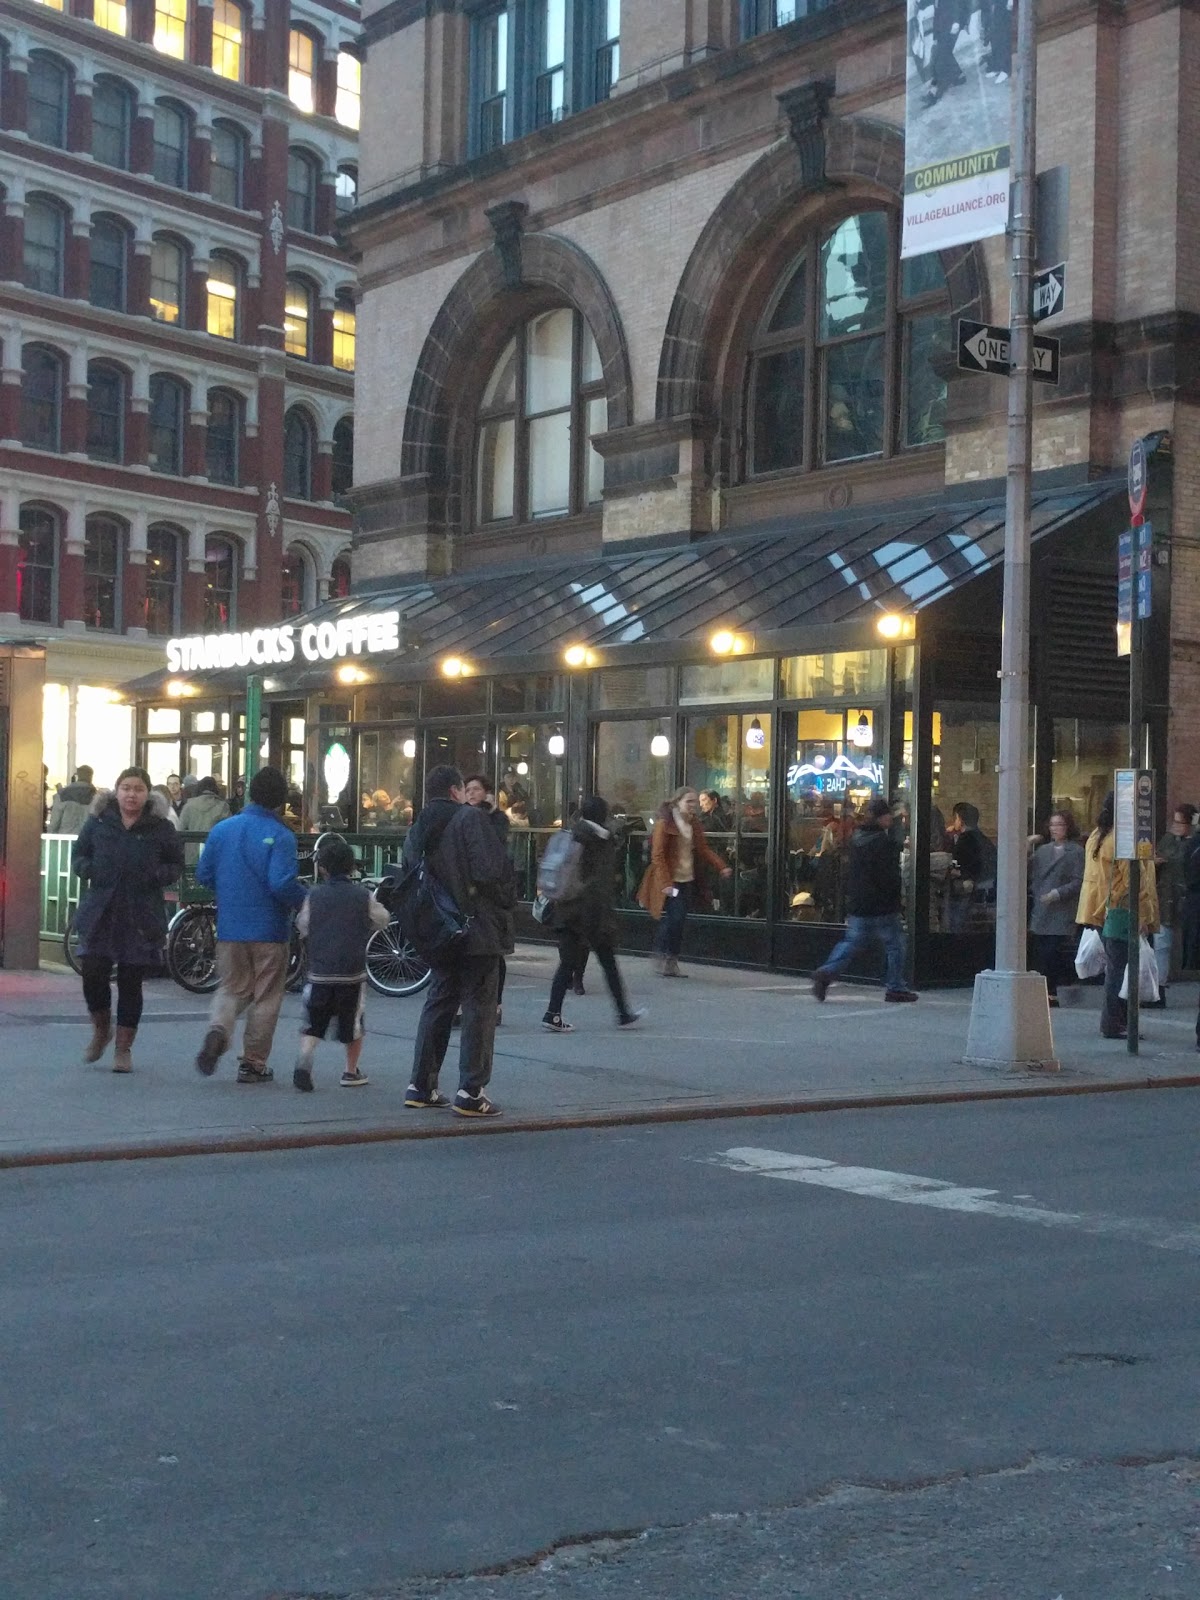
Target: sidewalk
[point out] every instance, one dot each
(722, 1042)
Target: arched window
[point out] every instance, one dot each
(41, 398)
(49, 91)
(172, 127)
(111, 15)
(301, 191)
(45, 233)
(297, 319)
(344, 332)
(345, 190)
(342, 464)
(228, 173)
(109, 247)
(161, 615)
(224, 432)
(168, 279)
(37, 565)
(348, 106)
(540, 409)
(297, 454)
(220, 585)
(105, 412)
(302, 69)
(170, 28)
(102, 540)
(224, 284)
(339, 578)
(112, 119)
(228, 37)
(168, 412)
(295, 582)
(831, 362)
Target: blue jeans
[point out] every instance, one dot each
(668, 936)
(861, 934)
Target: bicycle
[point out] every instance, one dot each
(393, 965)
(192, 951)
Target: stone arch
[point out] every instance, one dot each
(493, 294)
(851, 155)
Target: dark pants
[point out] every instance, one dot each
(97, 994)
(470, 986)
(572, 953)
(668, 937)
(1054, 958)
(503, 973)
(1114, 1018)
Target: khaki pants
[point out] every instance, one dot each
(251, 979)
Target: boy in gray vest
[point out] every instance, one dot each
(337, 919)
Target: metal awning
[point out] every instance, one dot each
(822, 573)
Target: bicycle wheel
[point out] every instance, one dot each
(71, 945)
(393, 966)
(297, 961)
(192, 949)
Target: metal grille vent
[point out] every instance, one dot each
(1081, 649)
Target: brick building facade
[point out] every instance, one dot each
(178, 332)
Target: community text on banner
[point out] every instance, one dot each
(957, 120)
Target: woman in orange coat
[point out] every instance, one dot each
(676, 845)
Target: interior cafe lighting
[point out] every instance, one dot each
(556, 745)
(410, 749)
(660, 746)
(862, 735)
(756, 738)
(727, 643)
(891, 625)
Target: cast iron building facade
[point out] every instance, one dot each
(178, 327)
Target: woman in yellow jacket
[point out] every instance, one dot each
(1103, 904)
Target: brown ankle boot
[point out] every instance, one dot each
(122, 1060)
(101, 1034)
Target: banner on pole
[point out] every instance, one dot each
(957, 123)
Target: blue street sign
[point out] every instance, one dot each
(1125, 578)
(1145, 556)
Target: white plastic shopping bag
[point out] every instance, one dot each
(1147, 974)
(1089, 958)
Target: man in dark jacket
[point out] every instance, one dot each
(464, 853)
(587, 920)
(873, 904)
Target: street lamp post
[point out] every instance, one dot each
(1010, 1014)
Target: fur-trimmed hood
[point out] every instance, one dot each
(156, 806)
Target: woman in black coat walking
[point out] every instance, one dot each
(588, 920)
(126, 854)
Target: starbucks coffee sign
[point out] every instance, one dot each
(365, 633)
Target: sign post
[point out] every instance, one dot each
(1010, 1013)
(1133, 841)
(1136, 553)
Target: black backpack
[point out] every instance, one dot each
(427, 912)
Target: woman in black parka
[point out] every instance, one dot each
(126, 854)
(587, 921)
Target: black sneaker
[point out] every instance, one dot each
(553, 1023)
(248, 1072)
(210, 1052)
(474, 1105)
(577, 987)
(302, 1076)
(820, 986)
(424, 1099)
(902, 997)
(630, 1017)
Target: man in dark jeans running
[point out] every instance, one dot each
(464, 853)
(873, 903)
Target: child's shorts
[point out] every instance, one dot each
(334, 1002)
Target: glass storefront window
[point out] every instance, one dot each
(335, 796)
(635, 772)
(542, 692)
(1086, 754)
(832, 772)
(386, 702)
(161, 719)
(162, 759)
(56, 714)
(386, 765)
(530, 791)
(632, 688)
(845, 672)
(727, 680)
(453, 697)
(727, 760)
(464, 746)
(966, 755)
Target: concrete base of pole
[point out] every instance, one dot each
(1010, 1023)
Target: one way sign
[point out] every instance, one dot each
(982, 348)
(1049, 289)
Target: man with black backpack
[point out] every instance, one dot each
(459, 847)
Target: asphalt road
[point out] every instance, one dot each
(350, 1371)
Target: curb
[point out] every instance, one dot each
(449, 1128)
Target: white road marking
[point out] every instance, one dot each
(906, 1188)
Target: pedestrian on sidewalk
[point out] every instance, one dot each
(126, 854)
(462, 850)
(874, 904)
(1170, 860)
(249, 862)
(481, 793)
(201, 813)
(1104, 904)
(1056, 869)
(69, 811)
(587, 920)
(669, 885)
(336, 920)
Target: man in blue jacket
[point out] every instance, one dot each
(249, 861)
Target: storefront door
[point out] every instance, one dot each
(833, 768)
